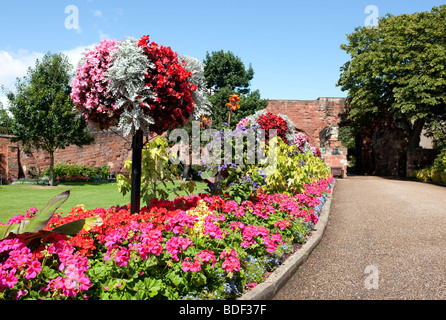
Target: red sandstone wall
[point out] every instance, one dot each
(9, 166)
(310, 116)
(108, 149)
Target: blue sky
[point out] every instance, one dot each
(293, 46)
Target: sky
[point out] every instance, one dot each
(293, 46)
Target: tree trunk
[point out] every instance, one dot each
(412, 144)
(415, 133)
(51, 174)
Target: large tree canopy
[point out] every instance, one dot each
(42, 111)
(397, 71)
(225, 74)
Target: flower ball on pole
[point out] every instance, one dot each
(140, 87)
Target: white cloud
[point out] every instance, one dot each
(103, 35)
(15, 65)
(4, 101)
(97, 13)
(74, 55)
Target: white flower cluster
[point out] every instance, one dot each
(126, 76)
(200, 96)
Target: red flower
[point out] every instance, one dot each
(269, 121)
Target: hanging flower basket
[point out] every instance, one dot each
(141, 87)
(138, 84)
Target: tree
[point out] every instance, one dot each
(224, 69)
(397, 73)
(5, 120)
(225, 74)
(42, 111)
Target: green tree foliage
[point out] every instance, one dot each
(397, 71)
(5, 120)
(226, 74)
(42, 111)
(224, 69)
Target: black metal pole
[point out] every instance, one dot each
(135, 196)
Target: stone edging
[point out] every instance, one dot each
(276, 280)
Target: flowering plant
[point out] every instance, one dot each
(267, 121)
(200, 246)
(89, 88)
(156, 170)
(138, 85)
(233, 105)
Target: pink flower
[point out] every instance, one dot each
(16, 219)
(272, 242)
(176, 245)
(206, 256)
(20, 293)
(191, 266)
(178, 223)
(33, 270)
(283, 224)
(230, 206)
(252, 285)
(231, 262)
(211, 229)
(122, 256)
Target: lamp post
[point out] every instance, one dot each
(135, 197)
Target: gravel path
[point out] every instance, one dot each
(386, 239)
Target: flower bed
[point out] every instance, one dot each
(194, 247)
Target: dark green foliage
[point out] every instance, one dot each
(5, 121)
(78, 170)
(43, 114)
(225, 74)
(397, 72)
(223, 69)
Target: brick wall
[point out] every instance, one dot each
(310, 116)
(9, 156)
(108, 149)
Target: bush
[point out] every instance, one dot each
(437, 172)
(78, 173)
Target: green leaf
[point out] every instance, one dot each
(6, 230)
(41, 219)
(73, 228)
(153, 286)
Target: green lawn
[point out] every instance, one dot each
(16, 199)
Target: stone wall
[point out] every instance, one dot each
(9, 160)
(311, 117)
(108, 149)
(387, 154)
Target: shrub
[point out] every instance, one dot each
(77, 172)
(437, 172)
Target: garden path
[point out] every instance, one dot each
(386, 239)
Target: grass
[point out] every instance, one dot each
(16, 199)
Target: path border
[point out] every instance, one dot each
(276, 280)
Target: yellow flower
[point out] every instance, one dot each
(201, 211)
